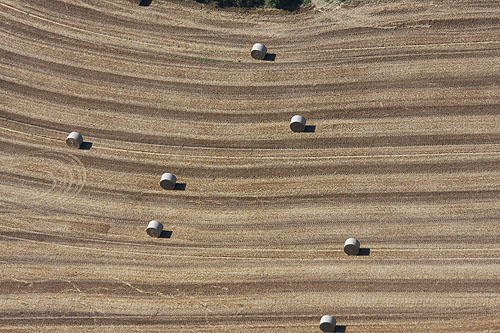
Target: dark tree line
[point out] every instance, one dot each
(282, 4)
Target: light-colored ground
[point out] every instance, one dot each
(405, 99)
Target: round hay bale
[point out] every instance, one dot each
(351, 246)
(258, 51)
(154, 229)
(168, 181)
(298, 124)
(327, 323)
(74, 140)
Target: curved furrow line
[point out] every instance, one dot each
(332, 50)
(231, 255)
(237, 92)
(281, 141)
(239, 140)
(174, 80)
(32, 133)
(331, 58)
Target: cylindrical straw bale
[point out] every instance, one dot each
(298, 124)
(154, 229)
(351, 246)
(74, 140)
(258, 51)
(327, 323)
(168, 181)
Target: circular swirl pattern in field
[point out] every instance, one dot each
(42, 180)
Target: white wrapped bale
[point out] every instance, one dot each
(327, 323)
(168, 181)
(351, 246)
(298, 123)
(74, 140)
(154, 229)
(258, 51)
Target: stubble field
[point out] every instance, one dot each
(403, 152)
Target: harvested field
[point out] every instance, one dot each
(404, 97)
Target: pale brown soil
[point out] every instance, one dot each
(405, 156)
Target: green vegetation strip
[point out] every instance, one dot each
(281, 4)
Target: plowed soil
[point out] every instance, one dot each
(402, 100)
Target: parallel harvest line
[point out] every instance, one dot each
(338, 49)
(455, 153)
